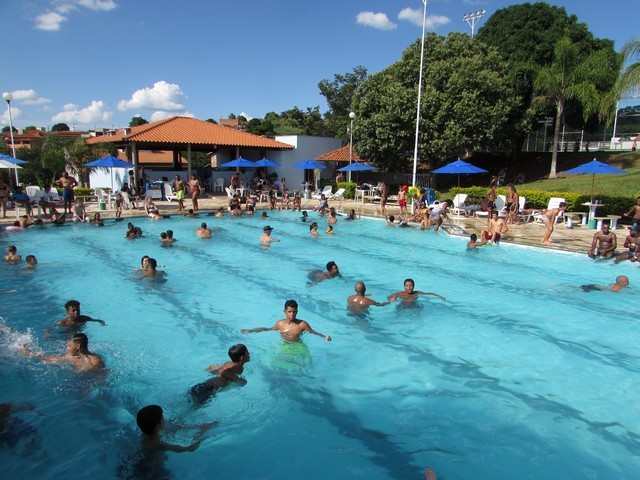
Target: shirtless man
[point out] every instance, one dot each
(151, 273)
(384, 193)
(180, 188)
(473, 242)
(631, 244)
(402, 200)
(78, 355)
(549, 219)
(621, 282)
(203, 231)
(409, 294)
(635, 211)
(67, 183)
(266, 237)
(496, 228)
(226, 373)
(359, 302)
(290, 327)
(74, 320)
(316, 276)
(12, 254)
(604, 243)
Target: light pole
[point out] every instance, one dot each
(415, 148)
(352, 116)
(472, 18)
(8, 97)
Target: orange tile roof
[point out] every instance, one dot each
(160, 157)
(184, 130)
(340, 155)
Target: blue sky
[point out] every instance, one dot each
(98, 63)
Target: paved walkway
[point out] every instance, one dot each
(577, 239)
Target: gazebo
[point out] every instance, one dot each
(185, 134)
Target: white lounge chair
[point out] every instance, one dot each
(339, 195)
(103, 197)
(326, 191)
(34, 195)
(169, 194)
(458, 205)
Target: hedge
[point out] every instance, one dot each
(613, 205)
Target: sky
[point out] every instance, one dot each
(98, 63)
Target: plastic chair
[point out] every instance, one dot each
(218, 184)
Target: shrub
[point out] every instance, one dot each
(349, 189)
(83, 191)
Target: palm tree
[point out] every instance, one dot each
(568, 78)
(628, 79)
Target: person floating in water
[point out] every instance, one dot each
(290, 327)
(78, 355)
(621, 282)
(225, 374)
(473, 242)
(316, 276)
(359, 302)
(203, 231)
(74, 320)
(409, 294)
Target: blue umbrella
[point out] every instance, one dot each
(459, 167)
(238, 163)
(109, 162)
(309, 164)
(15, 161)
(595, 167)
(265, 162)
(356, 167)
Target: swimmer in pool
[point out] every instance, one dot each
(473, 242)
(409, 294)
(225, 374)
(12, 254)
(74, 319)
(290, 327)
(151, 421)
(266, 237)
(316, 276)
(151, 273)
(32, 261)
(203, 231)
(359, 302)
(78, 355)
(621, 282)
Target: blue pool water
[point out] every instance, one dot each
(518, 374)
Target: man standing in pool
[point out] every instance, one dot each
(74, 320)
(290, 327)
(359, 302)
(409, 295)
(78, 355)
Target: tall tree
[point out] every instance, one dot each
(60, 127)
(79, 153)
(339, 94)
(569, 77)
(526, 36)
(137, 121)
(628, 79)
(466, 104)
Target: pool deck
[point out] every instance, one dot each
(576, 239)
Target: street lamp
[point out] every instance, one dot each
(472, 18)
(352, 116)
(415, 149)
(8, 97)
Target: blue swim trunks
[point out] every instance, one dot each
(67, 195)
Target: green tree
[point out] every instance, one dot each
(137, 121)
(628, 79)
(569, 77)
(339, 94)
(466, 104)
(79, 153)
(53, 157)
(526, 36)
(60, 127)
(6, 129)
(211, 120)
(30, 128)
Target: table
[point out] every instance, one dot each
(592, 211)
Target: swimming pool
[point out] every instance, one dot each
(518, 374)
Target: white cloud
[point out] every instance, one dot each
(15, 113)
(375, 20)
(161, 115)
(28, 97)
(163, 96)
(415, 16)
(59, 10)
(50, 21)
(246, 115)
(97, 112)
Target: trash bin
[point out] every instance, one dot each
(102, 206)
(592, 224)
